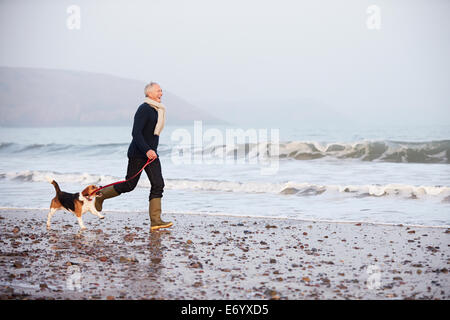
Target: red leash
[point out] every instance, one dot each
(111, 184)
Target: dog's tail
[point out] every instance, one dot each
(55, 184)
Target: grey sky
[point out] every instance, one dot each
(249, 56)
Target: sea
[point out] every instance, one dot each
(394, 174)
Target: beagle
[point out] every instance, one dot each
(77, 203)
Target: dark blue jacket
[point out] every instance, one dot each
(143, 127)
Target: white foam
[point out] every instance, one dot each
(369, 150)
(288, 188)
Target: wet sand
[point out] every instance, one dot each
(217, 257)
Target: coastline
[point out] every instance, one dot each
(207, 214)
(218, 257)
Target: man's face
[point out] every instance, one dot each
(155, 93)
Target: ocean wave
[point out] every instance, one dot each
(10, 147)
(290, 188)
(55, 148)
(384, 151)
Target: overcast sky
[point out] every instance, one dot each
(257, 57)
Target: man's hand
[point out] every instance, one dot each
(151, 154)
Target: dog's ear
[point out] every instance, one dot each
(85, 192)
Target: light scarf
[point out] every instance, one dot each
(161, 114)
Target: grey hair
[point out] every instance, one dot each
(148, 87)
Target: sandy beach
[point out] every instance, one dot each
(218, 257)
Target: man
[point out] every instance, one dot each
(148, 124)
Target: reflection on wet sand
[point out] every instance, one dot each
(218, 257)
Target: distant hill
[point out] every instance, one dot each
(46, 97)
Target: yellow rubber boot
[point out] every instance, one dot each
(108, 192)
(154, 210)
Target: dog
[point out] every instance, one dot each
(77, 203)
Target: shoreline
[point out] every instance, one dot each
(218, 257)
(391, 224)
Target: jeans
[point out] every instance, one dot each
(154, 174)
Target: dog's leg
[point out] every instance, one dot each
(80, 222)
(49, 216)
(95, 212)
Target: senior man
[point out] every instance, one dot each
(148, 124)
